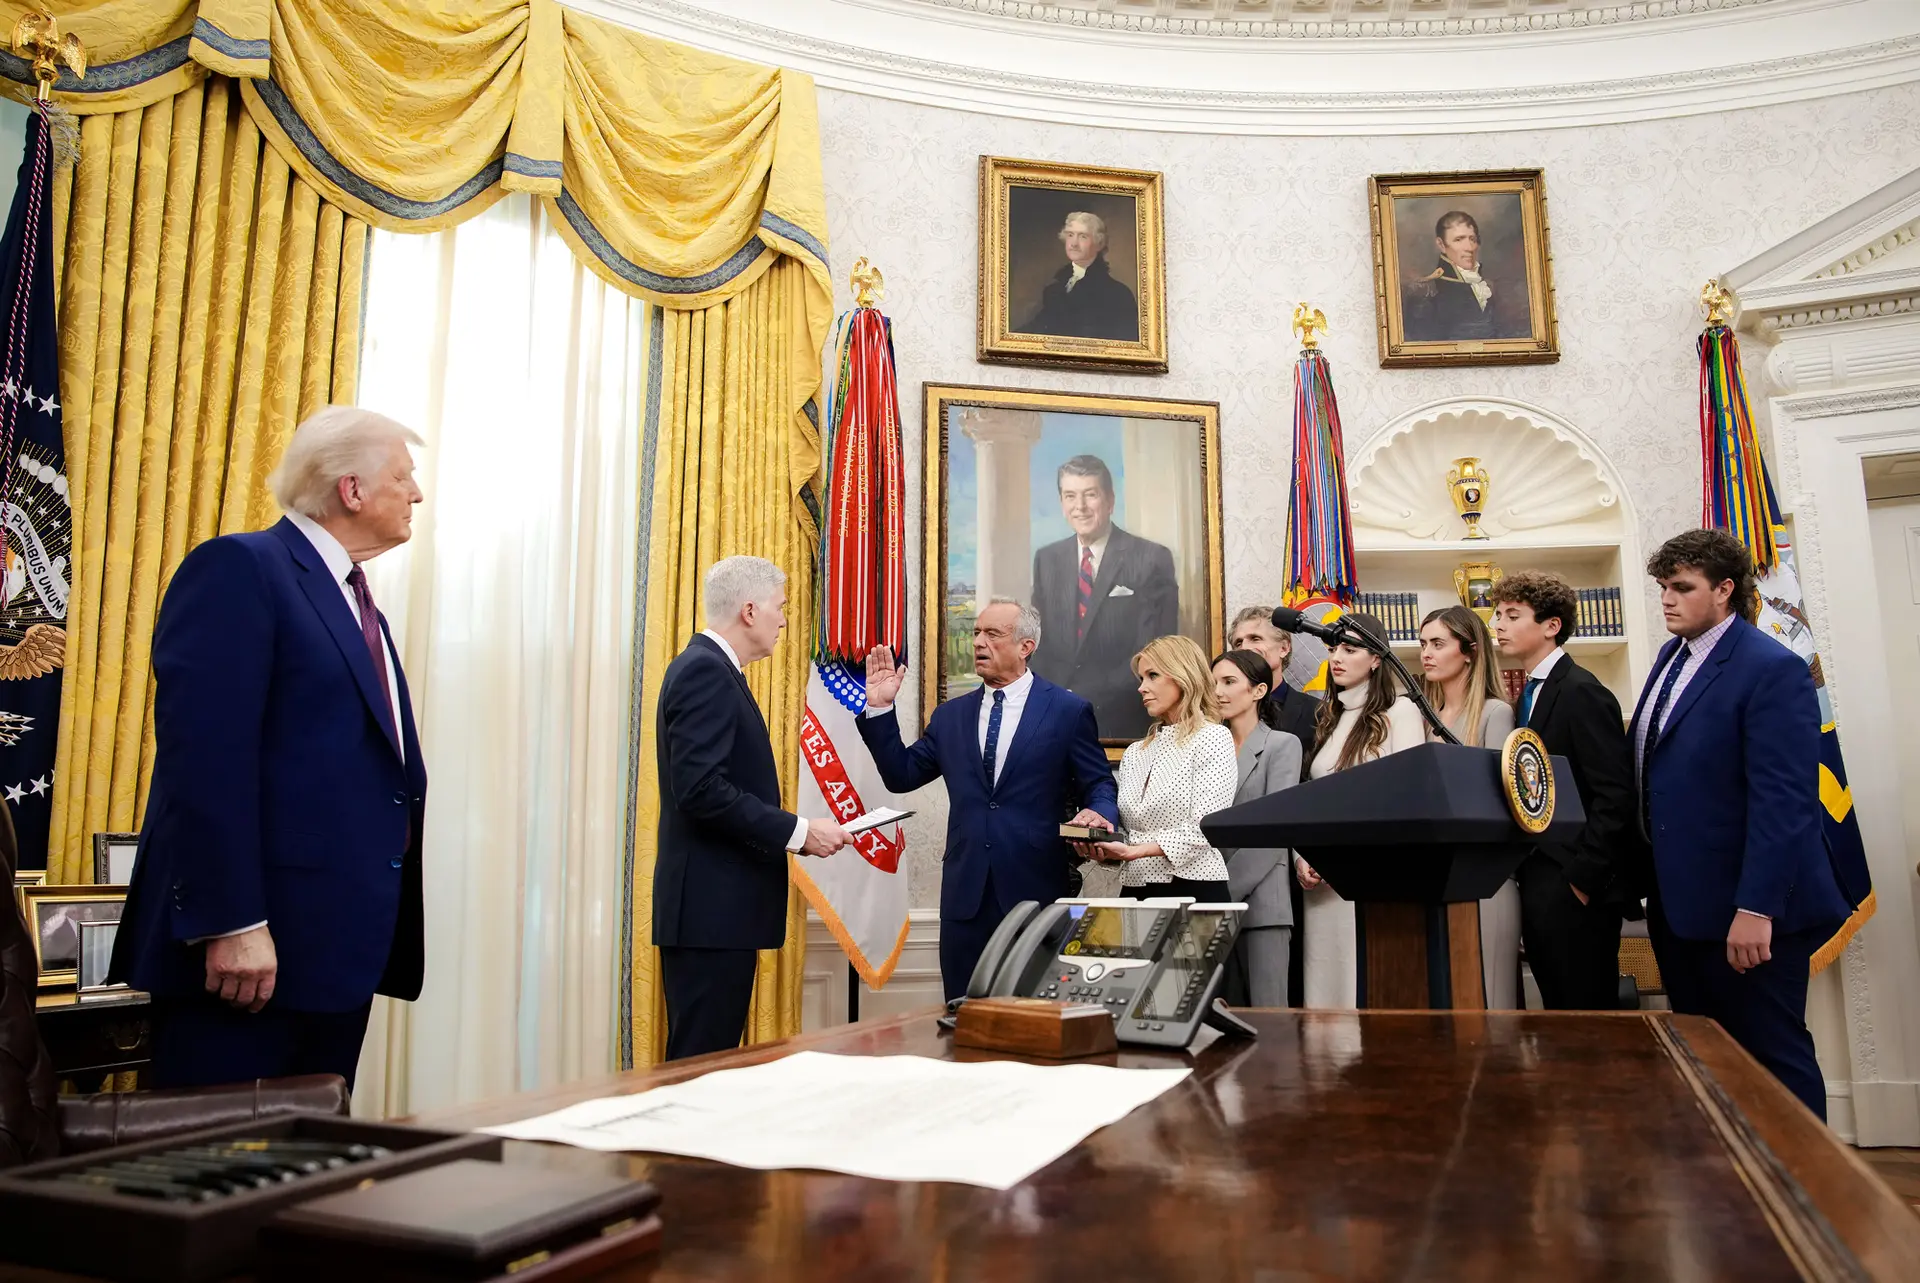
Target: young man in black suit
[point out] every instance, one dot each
(1102, 595)
(1572, 895)
(1289, 710)
(720, 876)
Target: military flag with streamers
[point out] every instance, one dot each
(859, 892)
(1738, 497)
(34, 506)
(1321, 581)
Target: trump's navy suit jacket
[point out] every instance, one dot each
(720, 878)
(278, 792)
(1733, 792)
(1054, 767)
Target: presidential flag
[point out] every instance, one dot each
(1737, 496)
(34, 506)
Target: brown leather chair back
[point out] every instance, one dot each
(29, 1123)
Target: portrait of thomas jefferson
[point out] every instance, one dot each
(1083, 300)
(1461, 298)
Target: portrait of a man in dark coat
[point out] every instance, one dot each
(1459, 300)
(1083, 300)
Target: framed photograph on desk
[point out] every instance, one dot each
(96, 956)
(22, 879)
(113, 855)
(54, 915)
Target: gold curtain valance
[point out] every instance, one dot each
(676, 175)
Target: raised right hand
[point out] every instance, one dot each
(883, 677)
(241, 969)
(824, 837)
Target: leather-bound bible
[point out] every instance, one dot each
(465, 1221)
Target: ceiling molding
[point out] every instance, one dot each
(1709, 57)
(1358, 19)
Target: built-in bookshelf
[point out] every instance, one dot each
(1551, 505)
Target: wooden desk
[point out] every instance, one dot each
(1378, 1145)
(1460, 1146)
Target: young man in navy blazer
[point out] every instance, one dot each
(277, 887)
(1018, 755)
(720, 877)
(1726, 744)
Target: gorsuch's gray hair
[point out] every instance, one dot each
(1025, 628)
(735, 581)
(335, 441)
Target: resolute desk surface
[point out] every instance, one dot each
(1373, 1145)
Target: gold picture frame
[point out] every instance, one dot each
(55, 954)
(1442, 301)
(1034, 308)
(1023, 443)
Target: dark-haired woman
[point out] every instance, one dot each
(1368, 717)
(1267, 761)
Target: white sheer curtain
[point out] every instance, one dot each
(513, 607)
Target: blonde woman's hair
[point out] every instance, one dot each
(1181, 659)
(1483, 674)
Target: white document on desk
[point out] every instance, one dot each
(902, 1118)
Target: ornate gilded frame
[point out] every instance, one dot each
(1541, 347)
(35, 897)
(997, 341)
(939, 398)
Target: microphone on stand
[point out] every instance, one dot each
(1340, 632)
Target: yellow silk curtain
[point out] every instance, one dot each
(200, 285)
(687, 179)
(731, 436)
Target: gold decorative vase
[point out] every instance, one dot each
(1467, 482)
(1474, 581)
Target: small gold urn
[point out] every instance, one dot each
(1474, 581)
(1467, 482)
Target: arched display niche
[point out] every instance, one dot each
(1553, 502)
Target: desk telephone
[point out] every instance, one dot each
(1155, 965)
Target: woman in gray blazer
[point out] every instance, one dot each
(1268, 761)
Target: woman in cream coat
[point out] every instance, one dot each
(1368, 717)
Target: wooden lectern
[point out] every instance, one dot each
(1415, 840)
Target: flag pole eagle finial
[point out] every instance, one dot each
(1309, 322)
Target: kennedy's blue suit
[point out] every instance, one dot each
(1732, 803)
(1003, 841)
(279, 796)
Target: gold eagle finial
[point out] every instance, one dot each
(1716, 302)
(869, 286)
(1309, 322)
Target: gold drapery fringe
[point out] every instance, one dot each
(209, 299)
(732, 433)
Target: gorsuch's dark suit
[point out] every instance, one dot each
(1099, 307)
(1135, 599)
(279, 796)
(720, 879)
(1440, 307)
(1574, 949)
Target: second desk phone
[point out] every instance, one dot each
(1155, 965)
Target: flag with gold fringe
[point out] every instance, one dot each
(860, 892)
(1738, 497)
(1320, 581)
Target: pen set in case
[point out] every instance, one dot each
(188, 1208)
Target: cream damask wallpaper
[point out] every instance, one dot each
(1641, 215)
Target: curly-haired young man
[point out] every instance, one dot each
(1572, 894)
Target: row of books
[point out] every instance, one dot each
(1599, 613)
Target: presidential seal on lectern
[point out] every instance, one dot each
(1526, 777)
